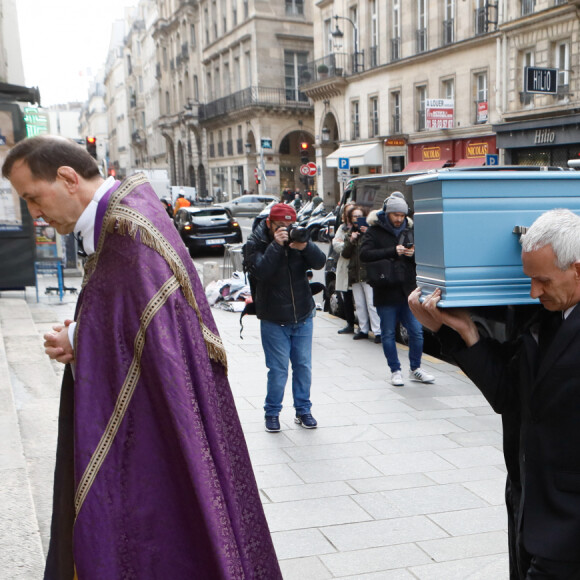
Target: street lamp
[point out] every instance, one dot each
(338, 33)
(325, 134)
(248, 147)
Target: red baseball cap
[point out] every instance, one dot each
(282, 212)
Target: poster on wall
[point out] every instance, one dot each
(10, 214)
(439, 113)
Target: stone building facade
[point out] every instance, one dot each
(412, 85)
(231, 111)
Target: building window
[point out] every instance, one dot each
(355, 121)
(358, 56)
(421, 97)
(211, 145)
(230, 143)
(195, 88)
(248, 58)
(214, 19)
(220, 143)
(246, 9)
(562, 62)
(481, 23)
(294, 7)
(421, 25)
(329, 45)
(396, 126)
(294, 62)
(234, 12)
(527, 60)
(206, 24)
(528, 7)
(224, 11)
(373, 116)
(396, 32)
(448, 87)
(167, 103)
(192, 36)
(165, 57)
(481, 103)
(374, 47)
(449, 22)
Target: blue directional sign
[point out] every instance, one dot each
(492, 159)
(343, 163)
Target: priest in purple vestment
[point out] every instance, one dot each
(153, 478)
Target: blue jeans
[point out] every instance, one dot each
(389, 316)
(283, 344)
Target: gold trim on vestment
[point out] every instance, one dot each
(125, 220)
(125, 394)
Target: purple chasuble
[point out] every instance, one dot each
(158, 469)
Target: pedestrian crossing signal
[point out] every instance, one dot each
(91, 143)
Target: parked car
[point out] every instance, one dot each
(207, 227)
(247, 205)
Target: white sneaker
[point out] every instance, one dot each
(421, 376)
(397, 379)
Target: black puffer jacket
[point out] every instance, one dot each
(282, 290)
(380, 241)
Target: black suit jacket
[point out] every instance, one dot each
(541, 401)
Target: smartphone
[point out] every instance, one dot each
(362, 222)
(409, 244)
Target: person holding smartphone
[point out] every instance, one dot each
(390, 237)
(368, 319)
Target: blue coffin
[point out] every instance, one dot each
(464, 222)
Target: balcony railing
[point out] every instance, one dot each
(373, 56)
(421, 39)
(421, 120)
(337, 64)
(396, 128)
(448, 31)
(481, 22)
(396, 48)
(528, 7)
(254, 97)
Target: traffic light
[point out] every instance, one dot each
(92, 146)
(304, 152)
(257, 181)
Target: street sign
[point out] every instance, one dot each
(312, 169)
(540, 80)
(492, 159)
(304, 169)
(256, 172)
(343, 175)
(343, 163)
(266, 143)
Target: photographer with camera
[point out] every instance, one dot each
(388, 244)
(279, 254)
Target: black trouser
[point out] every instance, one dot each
(348, 307)
(543, 569)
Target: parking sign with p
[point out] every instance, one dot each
(343, 163)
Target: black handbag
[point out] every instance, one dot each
(385, 272)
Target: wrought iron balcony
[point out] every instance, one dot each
(255, 97)
(395, 48)
(448, 31)
(421, 39)
(337, 64)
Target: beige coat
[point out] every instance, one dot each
(341, 283)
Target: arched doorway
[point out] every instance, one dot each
(180, 164)
(296, 149)
(191, 172)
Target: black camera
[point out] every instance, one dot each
(297, 234)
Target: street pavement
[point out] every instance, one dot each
(396, 483)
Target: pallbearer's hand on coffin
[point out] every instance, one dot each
(427, 313)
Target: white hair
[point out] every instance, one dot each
(559, 228)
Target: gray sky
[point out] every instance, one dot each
(64, 43)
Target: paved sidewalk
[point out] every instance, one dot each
(396, 483)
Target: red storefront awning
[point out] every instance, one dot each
(425, 165)
(471, 162)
